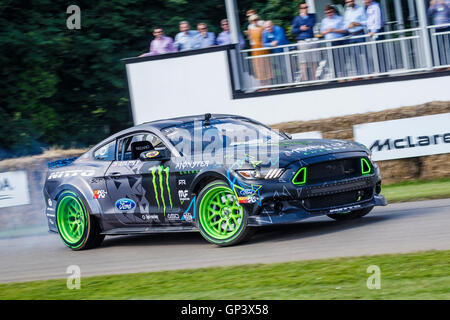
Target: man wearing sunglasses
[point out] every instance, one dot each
(204, 39)
(225, 36)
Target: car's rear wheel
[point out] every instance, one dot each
(77, 228)
(220, 218)
(350, 215)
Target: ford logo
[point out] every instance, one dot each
(247, 192)
(125, 204)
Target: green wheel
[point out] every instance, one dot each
(350, 215)
(76, 227)
(220, 218)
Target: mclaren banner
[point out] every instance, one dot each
(406, 138)
(13, 189)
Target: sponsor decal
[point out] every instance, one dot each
(50, 202)
(163, 175)
(150, 217)
(152, 154)
(191, 165)
(320, 148)
(125, 204)
(405, 138)
(183, 195)
(128, 163)
(249, 199)
(345, 209)
(71, 173)
(99, 194)
(181, 182)
(246, 192)
(187, 215)
(173, 216)
(14, 189)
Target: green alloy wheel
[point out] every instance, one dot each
(220, 218)
(76, 227)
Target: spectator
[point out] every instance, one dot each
(439, 10)
(375, 24)
(225, 36)
(302, 28)
(250, 13)
(185, 39)
(203, 38)
(261, 66)
(354, 20)
(273, 36)
(303, 24)
(375, 20)
(332, 27)
(160, 44)
(354, 23)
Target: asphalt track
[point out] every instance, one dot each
(397, 228)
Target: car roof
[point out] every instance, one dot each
(161, 124)
(157, 125)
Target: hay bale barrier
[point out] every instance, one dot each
(427, 167)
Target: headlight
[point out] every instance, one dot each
(253, 174)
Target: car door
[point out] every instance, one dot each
(142, 191)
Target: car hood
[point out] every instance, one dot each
(299, 149)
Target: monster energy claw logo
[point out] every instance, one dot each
(160, 174)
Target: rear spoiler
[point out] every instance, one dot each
(61, 163)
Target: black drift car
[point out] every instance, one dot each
(222, 175)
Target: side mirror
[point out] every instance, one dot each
(158, 155)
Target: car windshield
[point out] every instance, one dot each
(223, 132)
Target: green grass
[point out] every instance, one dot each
(416, 190)
(422, 275)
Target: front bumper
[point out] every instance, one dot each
(293, 214)
(289, 204)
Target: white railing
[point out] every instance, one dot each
(318, 61)
(440, 45)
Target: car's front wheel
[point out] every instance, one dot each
(77, 228)
(350, 215)
(220, 218)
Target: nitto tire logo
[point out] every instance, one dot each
(410, 142)
(71, 173)
(125, 204)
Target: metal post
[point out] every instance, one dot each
(233, 20)
(423, 23)
(412, 13)
(401, 26)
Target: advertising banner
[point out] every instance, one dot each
(406, 138)
(14, 189)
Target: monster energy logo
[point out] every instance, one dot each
(161, 173)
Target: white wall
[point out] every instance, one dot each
(200, 83)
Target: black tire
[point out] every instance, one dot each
(240, 232)
(350, 215)
(91, 236)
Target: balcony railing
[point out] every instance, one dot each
(319, 61)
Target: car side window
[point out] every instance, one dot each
(125, 151)
(106, 152)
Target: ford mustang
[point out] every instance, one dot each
(222, 175)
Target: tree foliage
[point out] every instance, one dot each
(68, 87)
